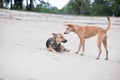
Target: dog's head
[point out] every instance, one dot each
(69, 28)
(58, 37)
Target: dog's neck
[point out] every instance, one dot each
(77, 29)
(57, 43)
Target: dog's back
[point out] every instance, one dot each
(49, 42)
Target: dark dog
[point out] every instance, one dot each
(54, 44)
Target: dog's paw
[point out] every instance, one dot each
(106, 58)
(76, 52)
(60, 51)
(97, 58)
(82, 54)
(67, 50)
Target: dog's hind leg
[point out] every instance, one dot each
(99, 41)
(105, 45)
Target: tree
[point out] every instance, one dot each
(18, 4)
(43, 6)
(77, 6)
(54, 10)
(27, 5)
(6, 2)
(31, 5)
(106, 8)
(115, 7)
(1, 3)
(101, 8)
(11, 5)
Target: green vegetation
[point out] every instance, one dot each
(74, 7)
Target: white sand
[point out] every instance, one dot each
(23, 54)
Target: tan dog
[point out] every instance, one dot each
(53, 44)
(85, 32)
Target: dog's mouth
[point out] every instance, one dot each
(65, 32)
(64, 41)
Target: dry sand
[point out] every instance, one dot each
(23, 54)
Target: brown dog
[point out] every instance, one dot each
(53, 44)
(85, 32)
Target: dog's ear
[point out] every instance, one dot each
(54, 35)
(69, 25)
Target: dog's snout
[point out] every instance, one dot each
(65, 32)
(64, 41)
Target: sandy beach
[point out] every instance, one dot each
(23, 53)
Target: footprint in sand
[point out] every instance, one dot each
(19, 44)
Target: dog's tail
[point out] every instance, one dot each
(108, 24)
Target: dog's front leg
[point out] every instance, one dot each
(83, 45)
(63, 49)
(79, 48)
(51, 49)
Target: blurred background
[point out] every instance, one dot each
(67, 7)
